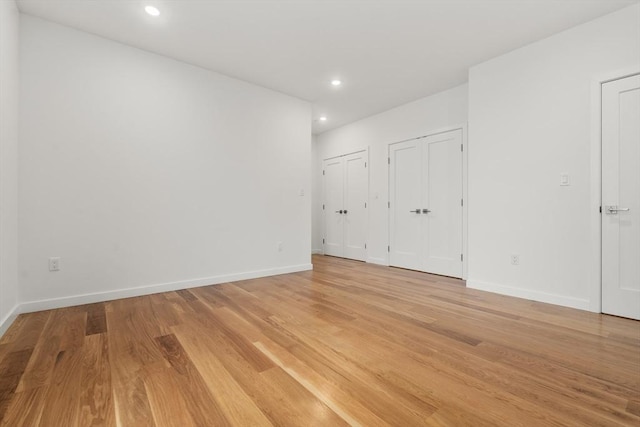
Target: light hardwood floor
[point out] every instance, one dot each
(346, 344)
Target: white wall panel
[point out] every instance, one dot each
(530, 122)
(142, 171)
(9, 292)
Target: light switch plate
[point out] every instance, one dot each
(564, 179)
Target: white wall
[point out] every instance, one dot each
(443, 110)
(529, 121)
(8, 162)
(146, 174)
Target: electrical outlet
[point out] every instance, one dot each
(279, 246)
(515, 259)
(54, 264)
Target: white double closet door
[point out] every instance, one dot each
(346, 189)
(621, 197)
(425, 185)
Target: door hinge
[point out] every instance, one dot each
(461, 202)
(600, 209)
(388, 160)
(322, 207)
(461, 147)
(323, 241)
(365, 164)
(322, 172)
(388, 248)
(461, 257)
(365, 205)
(389, 205)
(365, 246)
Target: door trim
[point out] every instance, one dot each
(595, 280)
(348, 154)
(465, 208)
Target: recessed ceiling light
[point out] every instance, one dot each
(323, 119)
(336, 82)
(152, 10)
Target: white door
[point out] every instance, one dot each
(425, 186)
(333, 207)
(621, 197)
(356, 191)
(405, 194)
(443, 198)
(346, 192)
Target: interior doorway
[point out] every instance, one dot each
(620, 209)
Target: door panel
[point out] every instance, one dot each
(443, 238)
(356, 192)
(333, 197)
(405, 183)
(621, 189)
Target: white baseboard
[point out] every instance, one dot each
(379, 261)
(565, 301)
(48, 304)
(8, 319)
(317, 252)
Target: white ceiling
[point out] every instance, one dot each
(387, 52)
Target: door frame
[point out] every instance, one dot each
(324, 222)
(465, 207)
(595, 281)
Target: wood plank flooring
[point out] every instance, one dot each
(345, 344)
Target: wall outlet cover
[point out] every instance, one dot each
(54, 264)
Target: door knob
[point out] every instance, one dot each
(416, 211)
(345, 211)
(425, 211)
(612, 210)
(340, 211)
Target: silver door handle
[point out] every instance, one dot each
(416, 211)
(425, 211)
(614, 209)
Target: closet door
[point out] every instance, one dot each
(443, 199)
(425, 193)
(406, 202)
(333, 171)
(346, 193)
(356, 190)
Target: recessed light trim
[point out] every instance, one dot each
(336, 82)
(323, 118)
(152, 10)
